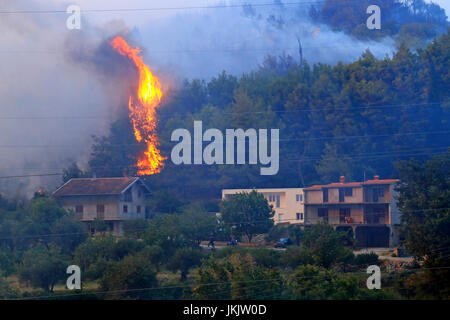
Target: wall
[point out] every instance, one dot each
(90, 203)
(289, 207)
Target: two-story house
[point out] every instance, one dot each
(366, 209)
(113, 200)
(288, 203)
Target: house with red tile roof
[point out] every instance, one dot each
(367, 210)
(113, 200)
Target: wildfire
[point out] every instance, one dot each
(143, 111)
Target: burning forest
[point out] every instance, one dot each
(142, 109)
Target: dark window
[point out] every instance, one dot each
(377, 193)
(138, 209)
(79, 209)
(323, 213)
(299, 216)
(348, 192)
(100, 211)
(139, 193)
(128, 196)
(325, 195)
(344, 215)
(125, 209)
(341, 195)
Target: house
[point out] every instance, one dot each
(288, 203)
(113, 200)
(366, 210)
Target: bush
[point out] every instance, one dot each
(366, 259)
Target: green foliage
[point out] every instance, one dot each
(197, 224)
(294, 256)
(133, 278)
(276, 232)
(165, 202)
(424, 201)
(183, 260)
(396, 16)
(237, 277)
(92, 255)
(7, 291)
(43, 267)
(135, 228)
(326, 245)
(249, 213)
(367, 259)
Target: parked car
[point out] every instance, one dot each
(283, 243)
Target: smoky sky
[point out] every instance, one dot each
(58, 87)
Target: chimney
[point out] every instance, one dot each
(376, 177)
(342, 179)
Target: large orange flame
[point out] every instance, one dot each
(143, 112)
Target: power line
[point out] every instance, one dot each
(223, 283)
(330, 109)
(281, 140)
(271, 4)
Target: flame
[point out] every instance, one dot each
(143, 111)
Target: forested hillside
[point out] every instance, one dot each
(410, 22)
(351, 119)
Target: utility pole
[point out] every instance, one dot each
(300, 51)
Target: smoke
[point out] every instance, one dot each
(203, 43)
(49, 106)
(58, 86)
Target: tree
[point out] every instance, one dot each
(197, 224)
(43, 267)
(237, 277)
(183, 260)
(135, 228)
(424, 201)
(133, 277)
(326, 245)
(92, 256)
(249, 213)
(73, 171)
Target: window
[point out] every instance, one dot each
(277, 200)
(344, 215)
(348, 192)
(299, 216)
(138, 209)
(377, 193)
(280, 217)
(299, 197)
(341, 194)
(79, 209)
(139, 193)
(125, 209)
(128, 196)
(325, 195)
(100, 211)
(323, 213)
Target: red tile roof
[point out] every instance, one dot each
(351, 184)
(94, 186)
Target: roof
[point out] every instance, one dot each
(352, 184)
(96, 186)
